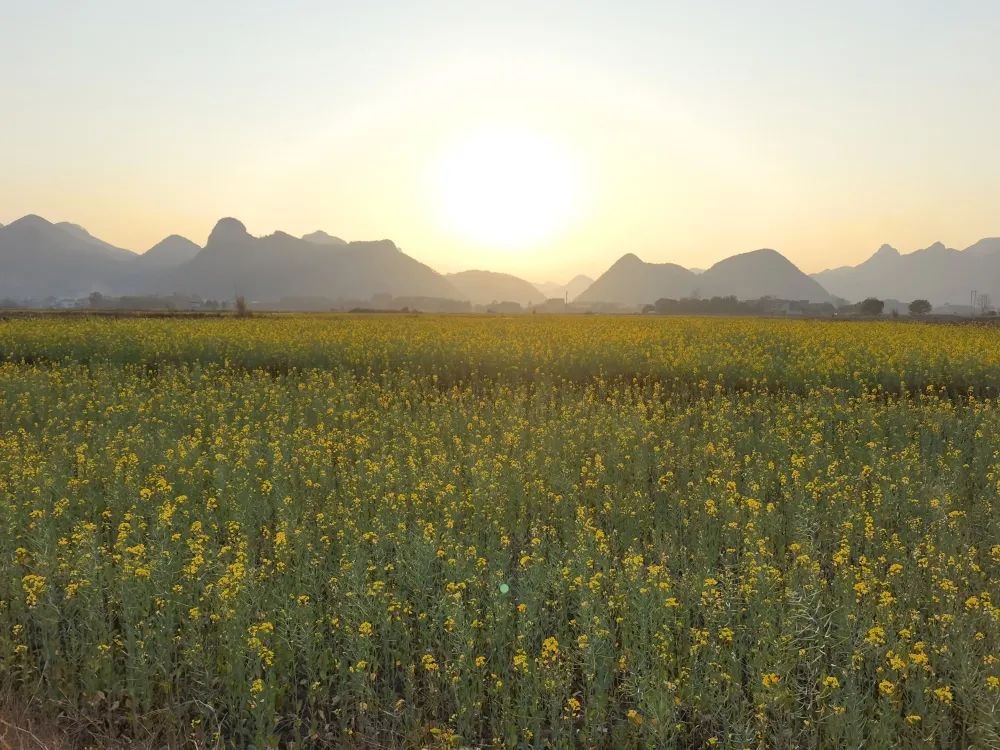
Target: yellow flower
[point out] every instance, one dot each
(886, 688)
(550, 649)
(520, 661)
(944, 694)
(876, 635)
(831, 682)
(770, 679)
(33, 586)
(634, 717)
(429, 663)
(257, 687)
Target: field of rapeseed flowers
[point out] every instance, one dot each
(537, 532)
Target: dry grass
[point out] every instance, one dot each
(22, 727)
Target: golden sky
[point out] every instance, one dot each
(542, 139)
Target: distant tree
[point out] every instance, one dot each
(872, 307)
(96, 299)
(920, 307)
(242, 310)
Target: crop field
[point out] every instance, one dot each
(391, 531)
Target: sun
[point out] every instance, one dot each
(506, 188)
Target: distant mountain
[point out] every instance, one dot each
(280, 265)
(81, 234)
(759, 273)
(487, 287)
(322, 238)
(570, 290)
(985, 248)
(40, 259)
(632, 282)
(937, 273)
(169, 252)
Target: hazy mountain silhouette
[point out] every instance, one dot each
(169, 252)
(280, 265)
(322, 238)
(759, 273)
(631, 281)
(40, 259)
(486, 287)
(570, 290)
(81, 234)
(936, 273)
(985, 247)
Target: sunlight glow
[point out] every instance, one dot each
(505, 188)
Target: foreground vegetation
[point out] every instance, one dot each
(430, 531)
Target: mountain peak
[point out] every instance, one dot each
(170, 251)
(885, 252)
(30, 221)
(764, 254)
(985, 246)
(228, 230)
(760, 273)
(937, 246)
(628, 259)
(319, 237)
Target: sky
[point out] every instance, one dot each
(538, 138)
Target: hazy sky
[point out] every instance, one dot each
(678, 131)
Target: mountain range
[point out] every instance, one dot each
(759, 273)
(936, 273)
(40, 259)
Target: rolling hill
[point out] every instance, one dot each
(487, 287)
(759, 273)
(631, 282)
